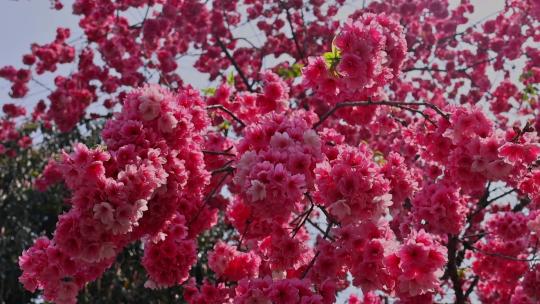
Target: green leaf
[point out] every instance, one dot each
(30, 126)
(378, 157)
(531, 90)
(332, 58)
(225, 125)
(328, 56)
(230, 79)
(335, 50)
(290, 72)
(209, 91)
(526, 75)
(461, 272)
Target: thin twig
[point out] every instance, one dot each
(401, 105)
(225, 168)
(472, 286)
(298, 217)
(218, 153)
(312, 262)
(234, 63)
(482, 204)
(224, 109)
(316, 226)
(310, 265)
(326, 214)
(522, 204)
(41, 84)
(209, 196)
(502, 195)
(499, 255)
(299, 226)
(295, 38)
(481, 234)
(453, 270)
(326, 234)
(248, 222)
(450, 37)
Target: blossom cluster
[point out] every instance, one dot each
(275, 166)
(368, 53)
(352, 186)
(233, 265)
(250, 107)
(439, 209)
(133, 189)
(418, 264)
(474, 153)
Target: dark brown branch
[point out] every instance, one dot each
(225, 168)
(498, 255)
(329, 218)
(218, 153)
(242, 237)
(401, 105)
(522, 204)
(303, 221)
(472, 286)
(210, 195)
(316, 226)
(41, 84)
(295, 38)
(312, 262)
(482, 204)
(140, 25)
(500, 196)
(326, 214)
(298, 217)
(520, 132)
(326, 234)
(310, 265)
(481, 234)
(234, 63)
(461, 70)
(248, 42)
(453, 270)
(224, 109)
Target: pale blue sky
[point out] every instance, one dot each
(23, 22)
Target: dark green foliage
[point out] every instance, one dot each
(26, 214)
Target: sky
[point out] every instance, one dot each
(23, 22)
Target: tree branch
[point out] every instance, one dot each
(472, 286)
(500, 196)
(224, 109)
(210, 195)
(234, 63)
(522, 204)
(330, 224)
(218, 153)
(498, 255)
(295, 38)
(243, 236)
(401, 105)
(316, 226)
(453, 270)
(303, 221)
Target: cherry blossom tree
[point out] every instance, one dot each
(382, 150)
